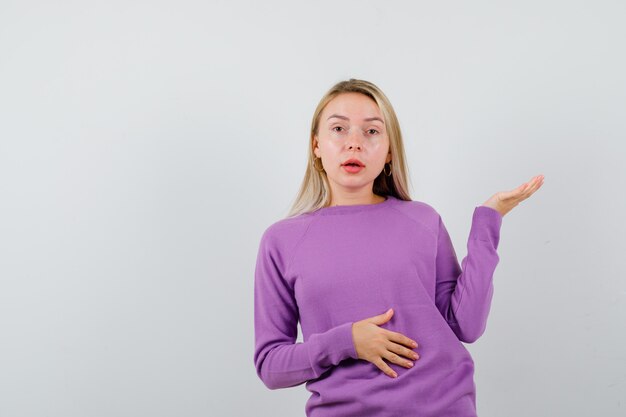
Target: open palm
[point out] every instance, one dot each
(505, 201)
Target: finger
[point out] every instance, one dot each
(533, 179)
(400, 338)
(538, 179)
(524, 191)
(382, 365)
(401, 350)
(519, 191)
(531, 186)
(398, 360)
(537, 182)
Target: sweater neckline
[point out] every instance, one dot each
(354, 208)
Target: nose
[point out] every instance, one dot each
(354, 140)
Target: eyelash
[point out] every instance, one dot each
(342, 128)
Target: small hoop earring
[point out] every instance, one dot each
(315, 165)
(390, 172)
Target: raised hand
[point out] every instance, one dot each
(505, 201)
(374, 343)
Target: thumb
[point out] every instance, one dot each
(382, 318)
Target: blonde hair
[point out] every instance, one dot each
(315, 190)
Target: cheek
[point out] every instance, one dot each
(380, 146)
(330, 146)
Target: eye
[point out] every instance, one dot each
(370, 130)
(337, 127)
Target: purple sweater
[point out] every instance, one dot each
(340, 264)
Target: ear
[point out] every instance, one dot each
(388, 157)
(316, 148)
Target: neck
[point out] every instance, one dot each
(354, 200)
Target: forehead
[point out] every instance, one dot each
(352, 105)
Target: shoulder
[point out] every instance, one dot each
(419, 212)
(416, 206)
(284, 234)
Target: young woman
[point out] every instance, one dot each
(372, 276)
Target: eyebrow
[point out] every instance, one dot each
(369, 119)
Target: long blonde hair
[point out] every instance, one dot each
(315, 190)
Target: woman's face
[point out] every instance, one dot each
(352, 126)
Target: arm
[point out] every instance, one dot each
(279, 361)
(463, 295)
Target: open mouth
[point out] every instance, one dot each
(353, 168)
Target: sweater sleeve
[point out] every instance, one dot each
(281, 362)
(463, 294)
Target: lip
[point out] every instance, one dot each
(353, 161)
(352, 169)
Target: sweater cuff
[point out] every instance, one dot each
(486, 225)
(331, 347)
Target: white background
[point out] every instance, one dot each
(146, 145)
